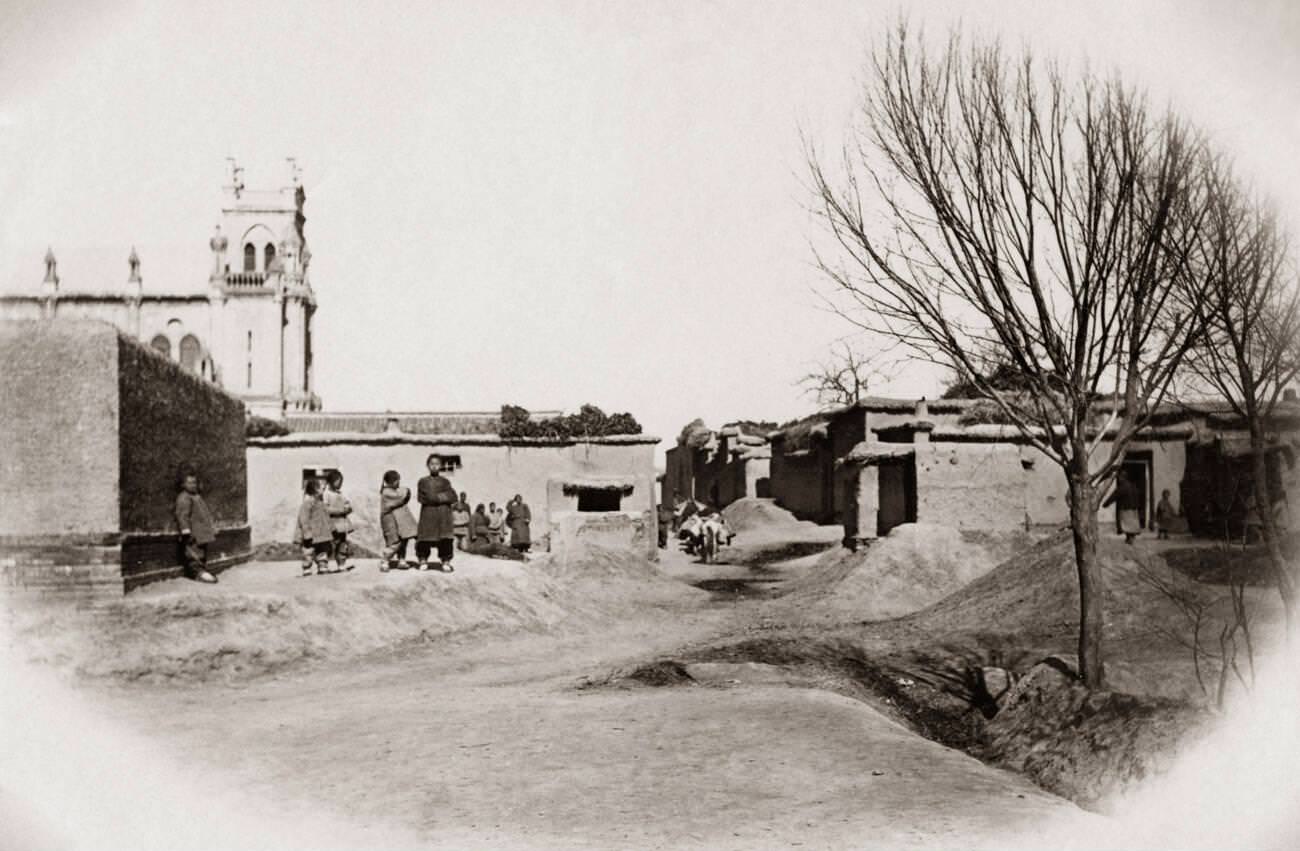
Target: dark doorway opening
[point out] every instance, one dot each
(599, 499)
(897, 501)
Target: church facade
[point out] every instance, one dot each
(249, 330)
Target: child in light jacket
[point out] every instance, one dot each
(395, 520)
(314, 534)
(339, 508)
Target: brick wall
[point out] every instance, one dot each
(170, 418)
(58, 428)
(94, 428)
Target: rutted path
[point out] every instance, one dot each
(498, 745)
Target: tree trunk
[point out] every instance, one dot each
(1083, 525)
(1264, 499)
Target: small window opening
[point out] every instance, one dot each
(269, 253)
(599, 499)
(162, 346)
(250, 257)
(321, 474)
(448, 463)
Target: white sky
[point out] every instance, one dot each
(538, 203)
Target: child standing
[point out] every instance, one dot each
(395, 520)
(460, 521)
(196, 529)
(1165, 514)
(496, 524)
(314, 534)
(339, 508)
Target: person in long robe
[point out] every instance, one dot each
(1128, 501)
(435, 529)
(519, 518)
(194, 522)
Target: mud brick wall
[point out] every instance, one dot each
(800, 483)
(169, 419)
(491, 470)
(58, 429)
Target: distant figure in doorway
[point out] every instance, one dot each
(395, 521)
(340, 524)
(435, 529)
(1166, 516)
(496, 524)
(460, 521)
(1128, 501)
(666, 518)
(194, 522)
(519, 518)
(315, 533)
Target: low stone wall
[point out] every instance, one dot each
(571, 531)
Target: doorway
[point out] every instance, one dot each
(897, 495)
(1138, 467)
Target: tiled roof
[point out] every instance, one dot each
(407, 422)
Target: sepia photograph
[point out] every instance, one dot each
(679, 424)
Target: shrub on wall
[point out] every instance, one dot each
(589, 421)
(170, 420)
(264, 427)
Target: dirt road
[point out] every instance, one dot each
(504, 742)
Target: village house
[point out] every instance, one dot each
(718, 467)
(883, 462)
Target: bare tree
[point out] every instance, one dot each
(988, 210)
(1249, 309)
(842, 379)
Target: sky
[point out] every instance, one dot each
(543, 203)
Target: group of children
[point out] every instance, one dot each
(323, 526)
(446, 524)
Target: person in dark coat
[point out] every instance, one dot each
(194, 522)
(436, 497)
(1128, 501)
(479, 524)
(666, 517)
(519, 518)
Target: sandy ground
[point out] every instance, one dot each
(500, 742)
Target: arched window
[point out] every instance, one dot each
(268, 256)
(190, 353)
(162, 345)
(250, 257)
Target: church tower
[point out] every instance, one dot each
(262, 298)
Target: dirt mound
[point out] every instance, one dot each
(1037, 592)
(184, 634)
(1089, 747)
(751, 513)
(916, 565)
(614, 579)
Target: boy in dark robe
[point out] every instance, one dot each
(436, 529)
